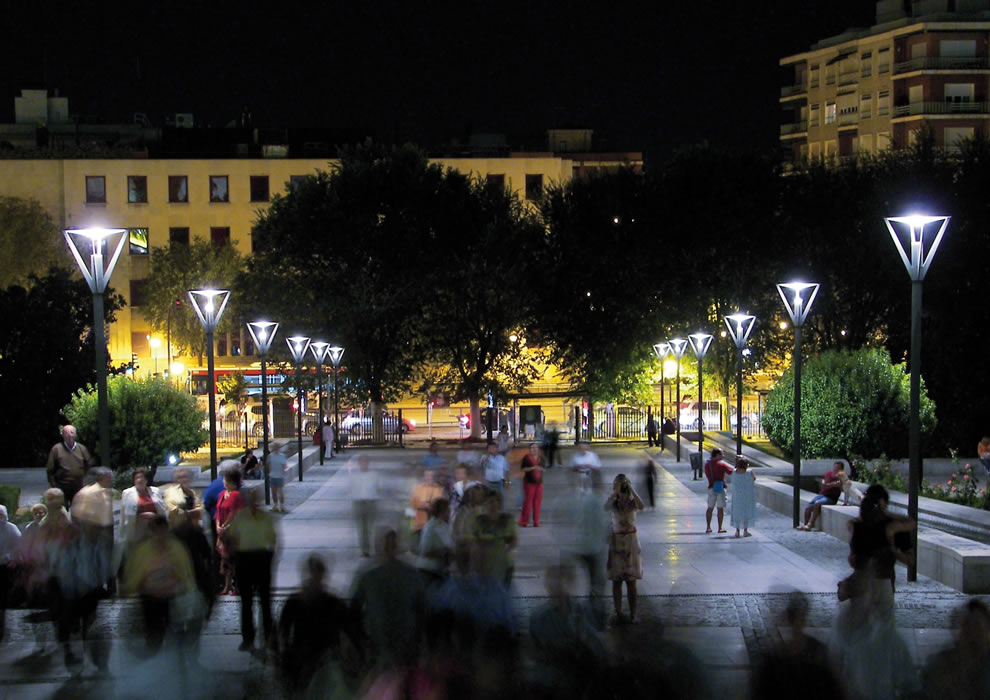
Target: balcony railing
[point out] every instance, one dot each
(848, 118)
(793, 128)
(943, 63)
(791, 90)
(848, 77)
(916, 108)
(814, 82)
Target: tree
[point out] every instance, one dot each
(46, 352)
(477, 319)
(30, 242)
(175, 270)
(149, 420)
(852, 403)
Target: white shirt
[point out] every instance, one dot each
(364, 485)
(9, 538)
(585, 462)
(496, 467)
(434, 538)
(327, 433)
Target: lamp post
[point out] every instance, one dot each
(209, 305)
(700, 342)
(677, 348)
(335, 352)
(793, 295)
(740, 325)
(663, 351)
(263, 333)
(319, 350)
(297, 346)
(917, 261)
(97, 276)
(155, 343)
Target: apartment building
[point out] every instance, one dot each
(924, 64)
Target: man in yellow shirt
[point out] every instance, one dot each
(253, 541)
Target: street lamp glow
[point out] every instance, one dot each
(740, 326)
(700, 342)
(335, 352)
(662, 350)
(297, 346)
(176, 368)
(154, 341)
(798, 298)
(910, 245)
(209, 305)
(319, 349)
(677, 348)
(262, 334)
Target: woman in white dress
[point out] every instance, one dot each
(743, 497)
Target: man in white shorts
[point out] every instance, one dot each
(715, 470)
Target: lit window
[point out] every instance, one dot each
(96, 189)
(137, 189)
(830, 113)
(218, 189)
(178, 188)
(137, 241)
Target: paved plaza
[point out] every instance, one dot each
(721, 597)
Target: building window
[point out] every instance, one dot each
(534, 187)
(883, 140)
(883, 103)
(218, 189)
(296, 180)
(830, 113)
(249, 348)
(883, 61)
(137, 189)
(255, 240)
(259, 188)
(96, 189)
(495, 180)
(220, 235)
(139, 296)
(831, 148)
(953, 136)
(813, 81)
(178, 235)
(959, 92)
(814, 118)
(235, 343)
(221, 344)
(137, 241)
(815, 150)
(866, 62)
(866, 106)
(178, 188)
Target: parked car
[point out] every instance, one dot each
(749, 420)
(355, 421)
(689, 415)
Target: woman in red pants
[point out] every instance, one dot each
(532, 467)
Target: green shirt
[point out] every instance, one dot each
(252, 530)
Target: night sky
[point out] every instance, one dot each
(643, 77)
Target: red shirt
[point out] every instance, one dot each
(716, 471)
(230, 502)
(830, 490)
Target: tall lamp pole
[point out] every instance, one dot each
(335, 352)
(263, 333)
(663, 351)
(677, 348)
(297, 346)
(97, 274)
(740, 325)
(319, 350)
(700, 342)
(209, 305)
(793, 294)
(917, 259)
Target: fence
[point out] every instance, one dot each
(360, 429)
(628, 423)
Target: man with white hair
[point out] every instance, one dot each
(68, 462)
(10, 537)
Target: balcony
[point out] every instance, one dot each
(943, 63)
(848, 118)
(793, 128)
(918, 108)
(792, 90)
(849, 77)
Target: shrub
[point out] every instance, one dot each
(852, 402)
(149, 419)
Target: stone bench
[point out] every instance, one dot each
(955, 561)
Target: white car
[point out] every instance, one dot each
(689, 415)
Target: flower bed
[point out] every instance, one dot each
(963, 486)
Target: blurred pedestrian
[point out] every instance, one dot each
(421, 500)
(983, 452)
(649, 469)
(435, 544)
(251, 535)
(743, 497)
(92, 512)
(494, 538)
(593, 528)
(625, 562)
(275, 468)
(962, 671)
(586, 465)
(532, 467)
(229, 503)
(433, 459)
(496, 469)
(551, 445)
(652, 433)
(139, 505)
(389, 601)
(463, 480)
(365, 488)
(10, 539)
(310, 627)
(185, 516)
(68, 462)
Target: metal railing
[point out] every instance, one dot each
(361, 429)
(791, 90)
(793, 128)
(916, 108)
(849, 77)
(943, 63)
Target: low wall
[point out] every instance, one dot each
(954, 561)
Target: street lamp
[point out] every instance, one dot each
(155, 343)
(740, 325)
(97, 276)
(677, 348)
(662, 350)
(917, 261)
(262, 334)
(319, 349)
(335, 352)
(793, 294)
(209, 305)
(297, 346)
(700, 342)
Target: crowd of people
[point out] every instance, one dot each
(430, 613)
